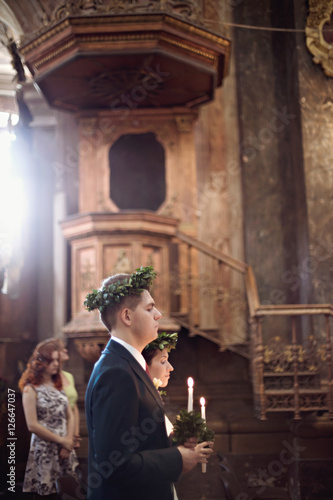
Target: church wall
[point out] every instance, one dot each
(219, 192)
(275, 211)
(285, 120)
(316, 108)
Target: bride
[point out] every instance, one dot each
(156, 355)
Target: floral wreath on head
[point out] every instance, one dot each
(109, 295)
(164, 341)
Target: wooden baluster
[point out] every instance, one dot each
(189, 285)
(329, 367)
(295, 366)
(259, 368)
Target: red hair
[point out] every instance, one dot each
(37, 364)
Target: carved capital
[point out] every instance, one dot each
(88, 126)
(185, 123)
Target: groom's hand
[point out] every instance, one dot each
(190, 458)
(191, 442)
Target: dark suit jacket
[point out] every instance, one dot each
(130, 457)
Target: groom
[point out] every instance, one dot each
(129, 453)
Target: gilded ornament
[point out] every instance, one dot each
(320, 13)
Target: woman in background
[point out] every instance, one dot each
(50, 419)
(70, 390)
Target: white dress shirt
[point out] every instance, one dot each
(138, 356)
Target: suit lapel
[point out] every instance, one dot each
(147, 381)
(136, 367)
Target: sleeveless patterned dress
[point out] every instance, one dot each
(44, 464)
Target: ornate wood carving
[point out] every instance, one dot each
(320, 14)
(293, 377)
(90, 58)
(185, 123)
(97, 134)
(187, 9)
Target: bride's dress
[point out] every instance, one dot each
(169, 428)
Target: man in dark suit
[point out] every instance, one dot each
(130, 457)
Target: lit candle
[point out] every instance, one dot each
(190, 383)
(203, 408)
(203, 415)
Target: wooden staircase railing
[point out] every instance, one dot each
(290, 372)
(188, 315)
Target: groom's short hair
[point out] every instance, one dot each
(109, 315)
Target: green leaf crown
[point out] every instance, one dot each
(107, 296)
(164, 341)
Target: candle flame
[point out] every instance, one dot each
(190, 382)
(202, 401)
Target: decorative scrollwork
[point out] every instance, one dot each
(114, 86)
(279, 357)
(307, 401)
(290, 377)
(320, 13)
(186, 9)
(286, 382)
(280, 401)
(313, 401)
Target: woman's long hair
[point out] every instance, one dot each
(37, 364)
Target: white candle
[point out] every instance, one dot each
(190, 383)
(203, 408)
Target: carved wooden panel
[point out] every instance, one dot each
(173, 129)
(107, 244)
(85, 274)
(117, 259)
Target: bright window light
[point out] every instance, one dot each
(13, 203)
(4, 117)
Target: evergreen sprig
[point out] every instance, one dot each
(107, 296)
(163, 341)
(190, 424)
(207, 435)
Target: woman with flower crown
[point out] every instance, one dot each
(50, 419)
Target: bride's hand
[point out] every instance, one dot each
(204, 450)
